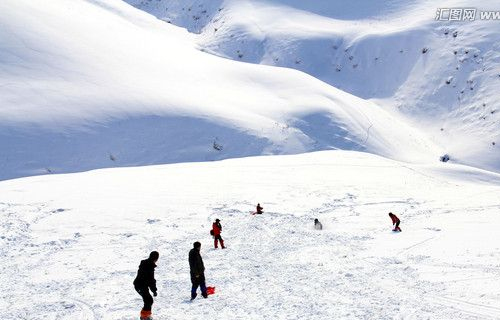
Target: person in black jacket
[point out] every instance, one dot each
(197, 270)
(145, 281)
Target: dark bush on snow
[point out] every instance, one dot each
(444, 158)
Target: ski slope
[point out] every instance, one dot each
(89, 84)
(70, 244)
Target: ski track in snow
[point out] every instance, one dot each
(68, 259)
(70, 245)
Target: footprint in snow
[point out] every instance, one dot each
(434, 229)
(127, 235)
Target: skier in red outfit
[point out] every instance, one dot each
(217, 229)
(395, 222)
(259, 209)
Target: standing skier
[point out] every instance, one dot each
(197, 270)
(395, 222)
(217, 229)
(259, 209)
(144, 281)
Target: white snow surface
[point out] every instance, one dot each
(88, 84)
(373, 50)
(92, 84)
(70, 244)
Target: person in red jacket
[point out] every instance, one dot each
(259, 209)
(217, 229)
(395, 222)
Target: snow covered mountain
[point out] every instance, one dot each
(442, 76)
(87, 84)
(91, 84)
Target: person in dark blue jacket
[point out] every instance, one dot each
(197, 270)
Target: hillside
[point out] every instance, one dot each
(442, 77)
(130, 126)
(117, 87)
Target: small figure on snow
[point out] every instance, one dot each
(317, 225)
(197, 270)
(259, 209)
(145, 281)
(395, 222)
(216, 230)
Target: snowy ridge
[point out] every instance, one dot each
(374, 50)
(117, 87)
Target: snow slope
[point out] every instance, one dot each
(70, 244)
(90, 84)
(374, 50)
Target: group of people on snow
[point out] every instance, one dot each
(145, 280)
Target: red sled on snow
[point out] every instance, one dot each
(210, 290)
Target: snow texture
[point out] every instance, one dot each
(333, 110)
(117, 87)
(71, 244)
(442, 77)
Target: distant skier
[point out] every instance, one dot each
(395, 222)
(259, 209)
(317, 225)
(217, 229)
(145, 281)
(197, 270)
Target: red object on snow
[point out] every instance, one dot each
(210, 290)
(216, 228)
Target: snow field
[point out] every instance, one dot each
(72, 243)
(106, 85)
